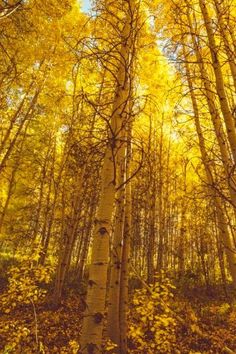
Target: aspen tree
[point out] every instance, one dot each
(91, 336)
(183, 226)
(220, 87)
(113, 328)
(224, 23)
(69, 240)
(222, 221)
(82, 257)
(160, 204)
(125, 264)
(24, 123)
(12, 181)
(42, 178)
(214, 113)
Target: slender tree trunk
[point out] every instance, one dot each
(92, 328)
(183, 226)
(23, 123)
(222, 220)
(216, 120)
(160, 205)
(49, 212)
(9, 195)
(69, 238)
(86, 241)
(113, 328)
(124, 279)
(220, 87)
(229, 49)
(41, 193)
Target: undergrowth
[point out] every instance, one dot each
(161, 320)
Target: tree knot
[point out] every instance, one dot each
(102, 231)
(98, 317)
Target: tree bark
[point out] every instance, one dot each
(222, 220)
(220, 87)
(92, 328)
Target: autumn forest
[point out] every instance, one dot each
(117, 176)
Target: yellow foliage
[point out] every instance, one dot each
(23, 287)
(109, 346)
(152, 327)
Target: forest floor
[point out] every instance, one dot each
(210, 321)
(206, 323)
